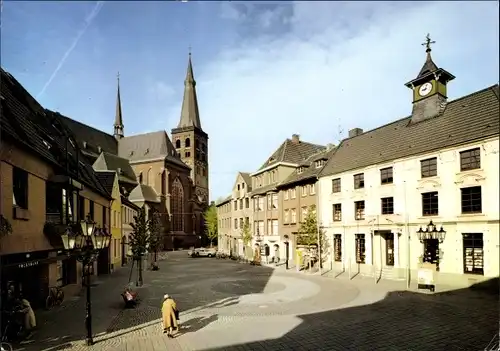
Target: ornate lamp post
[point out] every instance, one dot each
(86, 246)
(287, 243)
(431, 232)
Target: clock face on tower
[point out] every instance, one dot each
(425, 89)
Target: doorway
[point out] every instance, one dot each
(389, 249)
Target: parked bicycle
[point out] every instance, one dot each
(55, 298)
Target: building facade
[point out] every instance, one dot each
(441, 165)
(224, 218)
(44, 187)
(267, 198)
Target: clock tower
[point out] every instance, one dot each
(429, 88)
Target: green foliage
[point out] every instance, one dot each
(5, 227)
(246, 233)
(308, 231)
(154, 238)
(211, 222)
(139, 239)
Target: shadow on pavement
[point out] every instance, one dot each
(191, 282)
(196, 323)
(463, 319)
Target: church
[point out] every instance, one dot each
(154, 171)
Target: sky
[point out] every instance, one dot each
(264, 70)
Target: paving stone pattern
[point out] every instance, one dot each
(229, 306)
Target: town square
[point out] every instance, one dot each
(193, 175)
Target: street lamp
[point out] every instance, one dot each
(431, 232)
(286, 251)
(86, 245)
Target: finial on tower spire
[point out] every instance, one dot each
(428, 43)
(118, 126)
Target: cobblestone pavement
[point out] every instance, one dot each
(226, 305)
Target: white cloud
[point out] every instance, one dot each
(335, 64)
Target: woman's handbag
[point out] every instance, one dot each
(176, 314)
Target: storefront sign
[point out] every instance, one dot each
(28, 264)
(425, 276)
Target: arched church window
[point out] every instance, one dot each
(187, 142)
(140, 178)
(163, 182)
(177, 144)
(177, 206)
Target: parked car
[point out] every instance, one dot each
(202, 252)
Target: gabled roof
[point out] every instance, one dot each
(143, 147)
(309, 169)
(129, 203)
(292, 152)
(28, 124)
(223, 201)
(109, 162)
(90, 138)
(143, 193)
(107, 180)
(467, 119)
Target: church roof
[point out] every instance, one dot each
(110, 162)
(143, 193)
(467, 119)
(107, 180)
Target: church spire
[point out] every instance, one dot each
(190, 115)
(429, 65)
(118, 126)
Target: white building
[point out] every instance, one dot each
(439, 164)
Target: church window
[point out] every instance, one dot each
(140, 178)
(187, 143)
(163, 183)
(187, 154)
(177, 144)
(177, 206)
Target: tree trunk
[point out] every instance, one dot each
(139, 275)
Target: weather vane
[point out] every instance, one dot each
(428, 43)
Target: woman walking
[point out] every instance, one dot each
(169, 315)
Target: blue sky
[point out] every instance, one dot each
(264, 70)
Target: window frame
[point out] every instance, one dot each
(20, 188)
(359, 213)
(336, 185)
(469, 197)
(388, 207)
(359, 181)
(360, 247)
(470, 243)
(386, 175)
(337, 212)
(337, 247)
(428, 167)
(429, 203)
(470, 159)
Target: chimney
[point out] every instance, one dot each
(295, 138)
(355, 132)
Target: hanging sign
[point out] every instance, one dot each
(28, 264)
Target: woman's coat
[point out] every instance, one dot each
(168, 314)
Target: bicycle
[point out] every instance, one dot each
(55, 298)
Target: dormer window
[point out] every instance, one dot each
(146, 152)
(300, 170)
(271, 160)
(319, 163)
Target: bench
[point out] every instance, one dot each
(130, 303)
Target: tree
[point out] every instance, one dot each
(309, 232)
(211, 222)
(139, 241)
(154, 238)
(246, 235)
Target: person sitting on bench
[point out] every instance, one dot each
(129, 297)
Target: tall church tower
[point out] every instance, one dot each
(118, 126)
(190, 141)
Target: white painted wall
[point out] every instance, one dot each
(406, 190)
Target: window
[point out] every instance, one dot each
(81, 208)
(275, 201)
(163, 183)
(285, 195)
(319, 163)
(261, 203)
(359, 210)
(360, 248)
(187, 154)
(431, 252)
(241, 223)
(303, 190)
(304, 213)
(260, 228)
(242, 185)
(275, 226)
(336, 185)
(471, 200)
(473, 253)
(241, 204)
(238, 187)
(20, 188)
(247, 202)
(430, 203)
(359, 181)
(235, 204)
(247, 220)
(337, 247)
(337, 212)
(292, 193)
(236, 223)
(177, 144)
(428, 167)
(293, 215)
(470, 159)
(177, 201)
(269, 202)
(286, 215)
(387, 205)
(300, 170)
(269, 227)
(386, 176)
(104, 217)
(91, 209)
(187, 142)
(140, 178)
(312, 189)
